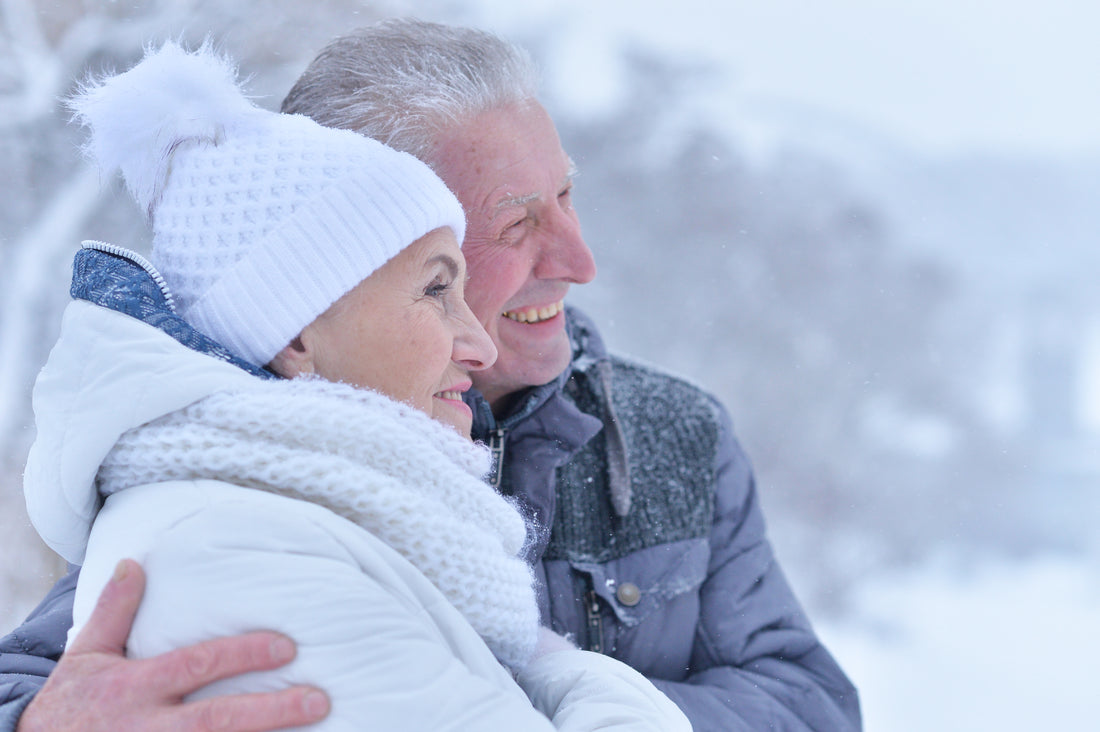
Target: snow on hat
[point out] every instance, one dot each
(260, 220)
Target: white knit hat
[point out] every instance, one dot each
(260, 220)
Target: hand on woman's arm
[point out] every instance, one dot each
(95, 687)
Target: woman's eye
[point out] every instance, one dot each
(437, 289)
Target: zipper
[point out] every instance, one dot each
(595, 621)
(496, 449)
(145, 264)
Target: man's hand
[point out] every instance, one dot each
(95, 687)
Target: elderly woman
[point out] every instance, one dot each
(331, 494)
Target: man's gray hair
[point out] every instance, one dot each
(403, 81)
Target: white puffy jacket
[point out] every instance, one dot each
(372, 631)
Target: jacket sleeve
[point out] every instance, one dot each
(29, 653)
(756, 662)
(581, 690)
(365, 633)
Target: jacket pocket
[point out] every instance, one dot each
(644, 583)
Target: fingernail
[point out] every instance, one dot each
(121, 570)
(316, 704)
(282, 649)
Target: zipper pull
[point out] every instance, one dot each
(595, 622)
(496, 449)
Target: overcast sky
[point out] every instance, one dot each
(940, 75)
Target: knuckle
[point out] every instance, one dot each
(216, 718)
(199, 661)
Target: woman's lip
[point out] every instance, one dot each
(456, 404)
(453, 393)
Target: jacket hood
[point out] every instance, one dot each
(122, 359)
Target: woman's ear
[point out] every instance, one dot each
(294, 360)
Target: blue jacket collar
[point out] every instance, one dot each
(124, 281)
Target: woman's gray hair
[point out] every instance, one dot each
(403, 81)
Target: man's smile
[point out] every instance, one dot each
(535, 315)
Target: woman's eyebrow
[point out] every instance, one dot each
(447, 261)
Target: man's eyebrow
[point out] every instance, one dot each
(518, 200)
(570, 174)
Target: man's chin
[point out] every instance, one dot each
(516, 371)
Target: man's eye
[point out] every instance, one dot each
(513, 232)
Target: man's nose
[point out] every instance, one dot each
(563, 254)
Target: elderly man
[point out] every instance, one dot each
(647, 539)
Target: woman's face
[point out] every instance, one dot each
(407, 332)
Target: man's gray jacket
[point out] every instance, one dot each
(652, 549)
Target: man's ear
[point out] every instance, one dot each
(294, 360)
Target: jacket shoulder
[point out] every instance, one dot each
(649, 477)
(658, 392)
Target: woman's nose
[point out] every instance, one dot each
(473, 348)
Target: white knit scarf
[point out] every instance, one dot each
(389, 468)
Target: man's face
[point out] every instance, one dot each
(523, 244)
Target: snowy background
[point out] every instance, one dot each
(870, 227)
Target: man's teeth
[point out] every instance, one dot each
(453, 395)
(535, 315)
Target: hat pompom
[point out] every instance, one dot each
(138, 118)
